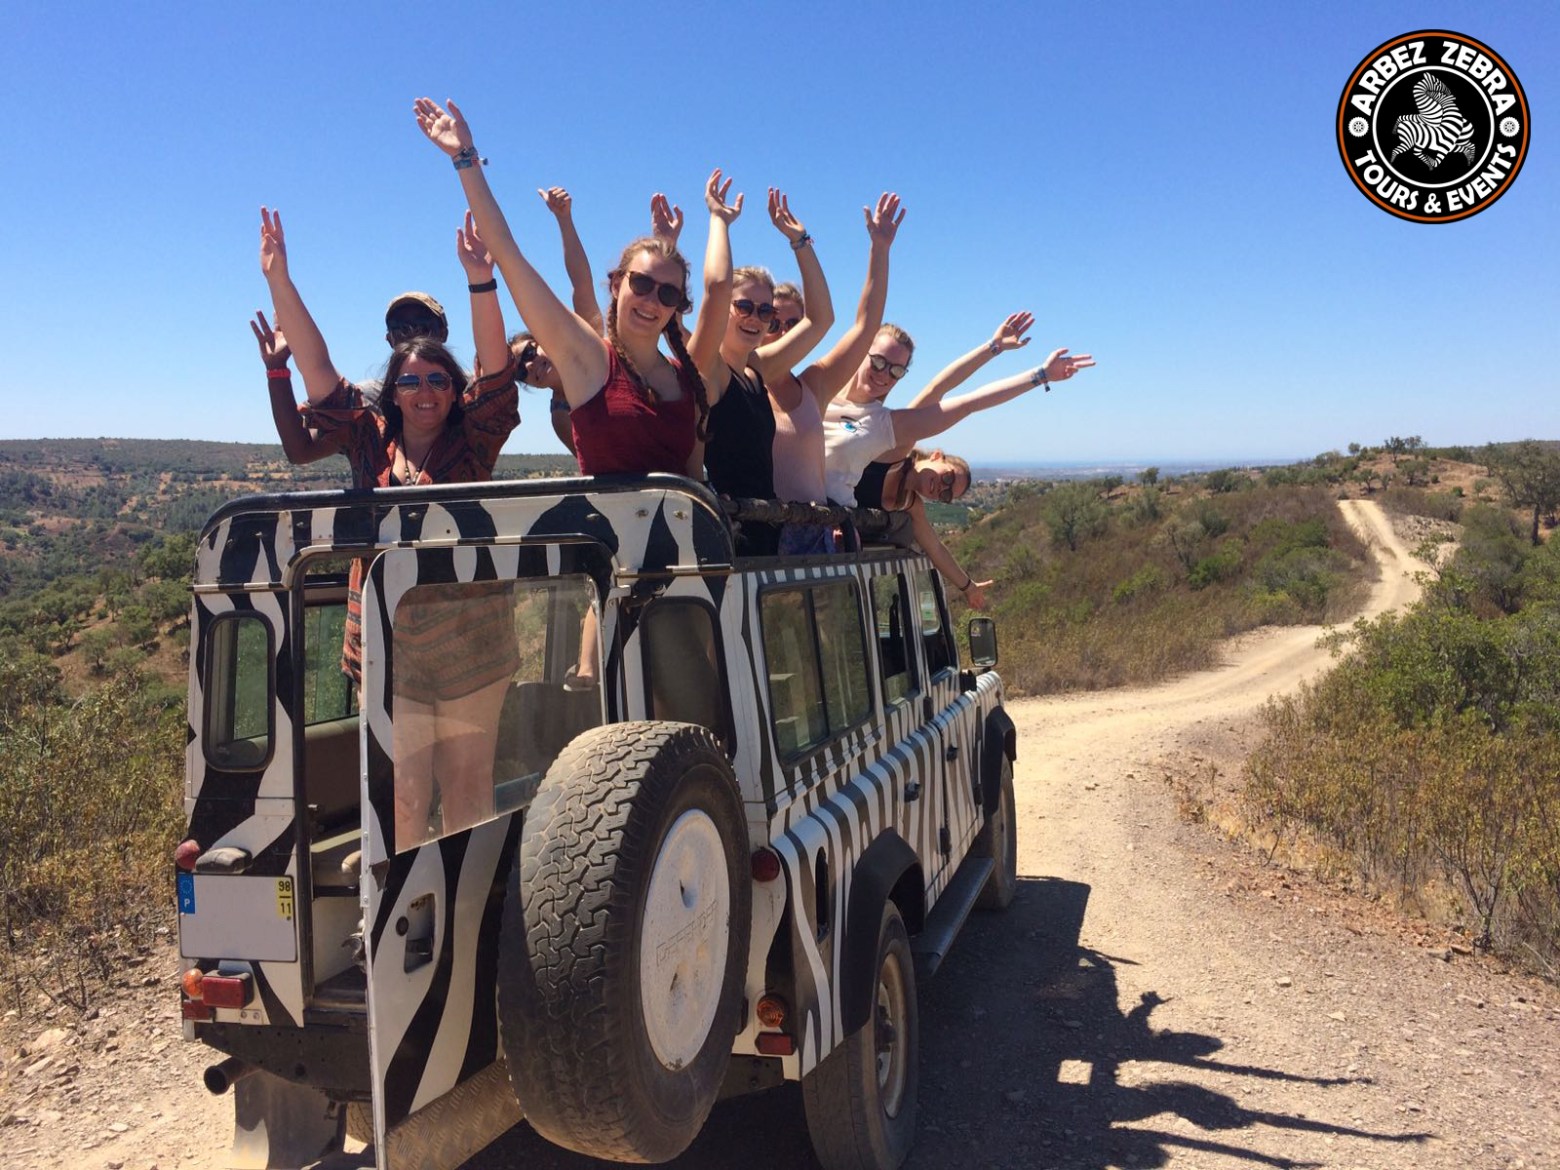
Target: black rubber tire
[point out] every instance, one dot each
(998, 840)
(574, 1029)
(851, 1116)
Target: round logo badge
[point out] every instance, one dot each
(1433, 126)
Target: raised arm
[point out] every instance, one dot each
(781, 355)
(299, 444)
(936, 551)
(913, 424)
(487, 315)
(575, 262)
(666, 219)
(571, 344)
(308, 346)
(1009, 335)
(710, 327)
(827, 376)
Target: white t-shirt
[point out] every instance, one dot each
(854, 434)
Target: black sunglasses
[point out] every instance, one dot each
(642, 285)
(880, 363)
(523, 362)
(947, 479)
(746, 308)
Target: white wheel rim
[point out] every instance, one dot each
(686, 929)
(888, 1035)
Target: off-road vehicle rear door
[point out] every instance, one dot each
(467, 650)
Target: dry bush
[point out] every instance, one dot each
(1150, 597)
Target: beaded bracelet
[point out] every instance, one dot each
(801, 242)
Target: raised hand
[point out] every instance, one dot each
(446, 129)
(471, 252)
(666, 220)
(1010, 334)
(883, 223)
(273, 346)
(780, 215)
(1062, 365)
(715, 193)
(273, 244)
(558, 201)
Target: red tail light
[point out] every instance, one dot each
(185, 853)
(228, 991)
(766, 865)
(774, 1044)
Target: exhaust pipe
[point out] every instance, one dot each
(219, 1078)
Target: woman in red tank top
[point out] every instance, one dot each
(633, 410)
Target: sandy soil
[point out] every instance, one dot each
(1156, 996)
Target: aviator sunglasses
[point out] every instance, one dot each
(436, 381)
(880, 363)
(642, 285)
(746, 308)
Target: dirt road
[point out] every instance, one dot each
(1155, 997)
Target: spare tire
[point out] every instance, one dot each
(624, 944)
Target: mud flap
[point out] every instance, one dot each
(277, 1123)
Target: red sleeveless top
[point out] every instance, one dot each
(620, 432)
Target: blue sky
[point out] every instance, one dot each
(1158, 183)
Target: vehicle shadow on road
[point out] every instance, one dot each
(1022, 1045)
(1024, 1040)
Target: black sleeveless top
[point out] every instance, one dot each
(739, 457)
(869, 489)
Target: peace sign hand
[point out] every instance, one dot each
(273, 346)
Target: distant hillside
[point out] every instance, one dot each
(80, 506)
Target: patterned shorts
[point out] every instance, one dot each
(447, 647)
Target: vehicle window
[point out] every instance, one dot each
(238, 689)
(683, 679)
(816, 655)
(483, 696)
(892, 626)
(327, 692)
(935, 636)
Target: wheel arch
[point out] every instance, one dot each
(999, 739)
(888, 871)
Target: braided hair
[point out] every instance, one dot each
(688, 377)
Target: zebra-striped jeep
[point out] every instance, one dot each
(717, 815)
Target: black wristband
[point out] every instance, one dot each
(490, 285)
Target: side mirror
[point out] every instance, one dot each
(983, 642)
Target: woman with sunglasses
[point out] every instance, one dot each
(904, 487)
(454, 660)
(859, 429)
(739, 456)
(632, 410)
(534, 367)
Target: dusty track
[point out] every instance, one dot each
(1154, 998)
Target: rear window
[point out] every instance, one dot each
(238, 692)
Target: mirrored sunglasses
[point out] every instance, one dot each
(436, 381)
(880, 363)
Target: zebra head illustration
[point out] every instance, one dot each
(1439, 129)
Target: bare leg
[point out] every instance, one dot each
(463, 755)
(416, 729)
